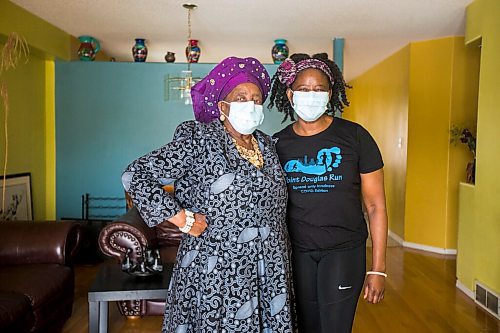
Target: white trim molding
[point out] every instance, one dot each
(460, 286)
(421, 247)
(396, 238)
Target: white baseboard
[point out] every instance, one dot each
(421, 247)
(396, 238)
(460, 286)
(429, 248)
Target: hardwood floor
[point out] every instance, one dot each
(420, 297)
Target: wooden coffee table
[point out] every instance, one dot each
(111, 284)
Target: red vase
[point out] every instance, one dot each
(193, 51)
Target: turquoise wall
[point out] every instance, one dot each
(110, 113)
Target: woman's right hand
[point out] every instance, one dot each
(199, 225)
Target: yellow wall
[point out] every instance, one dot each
(379, 101)
(32, 103)
(428, 128)
(26, 127)
(50, 141)
(467, 238)
(442, 93)
(479, 251)
(465, 87)
(45, 39)
(416, 95)
(38, 79)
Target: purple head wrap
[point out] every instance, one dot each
(222, 80)
(287, 71)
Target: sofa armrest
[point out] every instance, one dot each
(40, 242)
(128, 231)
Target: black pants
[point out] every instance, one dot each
(328, 284)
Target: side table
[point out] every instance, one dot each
(111, 284)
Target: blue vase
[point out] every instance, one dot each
(140, 51)
(279, 51)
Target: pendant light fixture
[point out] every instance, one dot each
(179, 87)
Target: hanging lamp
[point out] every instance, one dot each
(179, 87)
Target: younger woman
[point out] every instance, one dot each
(329, 164)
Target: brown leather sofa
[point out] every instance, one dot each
(36, 275)
(130, 231)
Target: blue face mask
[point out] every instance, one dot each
(310, 105)
(245, 117)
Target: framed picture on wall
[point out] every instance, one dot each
(18, 205)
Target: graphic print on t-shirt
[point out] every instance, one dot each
(326, 161)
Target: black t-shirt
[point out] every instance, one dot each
(324, 184)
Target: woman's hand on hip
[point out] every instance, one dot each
(200, 224)
(374, 289)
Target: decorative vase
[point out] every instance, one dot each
(170, 57)
(89, 46)
(279, 51)
(140, 51)
(193, 51)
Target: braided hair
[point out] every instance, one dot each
(337, 101)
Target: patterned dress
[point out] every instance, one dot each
(235, 277)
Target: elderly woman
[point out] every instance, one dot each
(233, 271)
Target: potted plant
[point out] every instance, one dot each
(464, 135)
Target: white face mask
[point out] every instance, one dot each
(310, 105)
(245, 117)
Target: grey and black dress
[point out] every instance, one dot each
(235, 277)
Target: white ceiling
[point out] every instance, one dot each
(373, 29)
